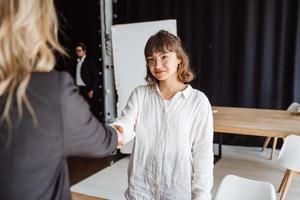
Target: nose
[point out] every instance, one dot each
(158, 64)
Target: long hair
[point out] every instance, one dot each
(164, 41)
(28, 41)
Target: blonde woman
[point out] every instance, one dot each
(172, 123)
(43, 118)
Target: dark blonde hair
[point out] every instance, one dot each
(28, 40)
(163, 41)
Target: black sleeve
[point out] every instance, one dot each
(83, 134)
(94, 75)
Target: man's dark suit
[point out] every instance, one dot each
(89, 76)
(33, 156)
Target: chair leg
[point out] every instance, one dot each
(287, 185)
(266, 143)
(274, 147)
(287, 172)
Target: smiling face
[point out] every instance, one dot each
(163, 65)
(165, 58)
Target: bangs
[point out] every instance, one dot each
(159, 43)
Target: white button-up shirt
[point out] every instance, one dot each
(79, 81)
(172, 156)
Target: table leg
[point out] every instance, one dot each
(219, 155)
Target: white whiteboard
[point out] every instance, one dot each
(128, 42)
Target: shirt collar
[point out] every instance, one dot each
(185, 93)
(82, 59)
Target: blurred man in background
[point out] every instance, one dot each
(85, 74)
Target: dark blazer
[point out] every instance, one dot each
(33, 157)
(89, 73)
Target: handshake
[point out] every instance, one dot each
(121, 137)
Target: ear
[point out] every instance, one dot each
(178, 61)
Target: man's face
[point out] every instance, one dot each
(79, 52)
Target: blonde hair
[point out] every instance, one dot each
(28, 40)
(163, 41)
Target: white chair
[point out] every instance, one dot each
(289, 158)
(237, 188)
(294, 107)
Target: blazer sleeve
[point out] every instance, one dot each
(83, 134)
(93, 75)
(96, 80)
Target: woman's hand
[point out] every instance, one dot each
(121, 137)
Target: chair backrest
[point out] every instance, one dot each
(294, 107)
(237, 188)
(289, 156)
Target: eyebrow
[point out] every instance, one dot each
(159, 53)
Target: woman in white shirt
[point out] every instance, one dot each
(172, 123)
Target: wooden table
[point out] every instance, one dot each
(255, 122)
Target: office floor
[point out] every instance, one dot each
(247, 162)
(81, 168)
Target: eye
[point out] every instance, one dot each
(150, 61)
(164, 56)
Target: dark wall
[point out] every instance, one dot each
(80, 22)
(245, 53)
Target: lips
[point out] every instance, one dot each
(159, 72)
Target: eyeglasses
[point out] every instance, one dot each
(162, 58)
